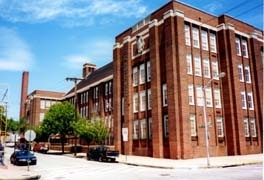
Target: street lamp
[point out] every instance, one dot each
(222, 74)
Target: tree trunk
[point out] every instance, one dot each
(62, 143)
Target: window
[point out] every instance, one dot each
(193, 125)
(96, 107)
(148, 72)
(243, 100)
(123, 106)
(215, 70)
(48, 104)
(142, 101)
(240, 72)
(189, 63)
(213, 42)
(199, 96)
(204, 40)
(150, 128)
(143, 129)
(195, 34)
(106, 89)
(110, 87)
(87, 96)
(217, 98)
(246, 127)
(250, 101)
(197, 66)
(135, 76)
(244, 48)
(238, 49)
(166, 127)
(253, 131)
(95, 92)
(42, 104)
(191, 94)
(187, 35)
(164, 95)
(135, 129)
(208, 94)
(219, 125)
(247, 74)
(106, 105)
(142, 74)
(206, 68)
(41, 116)
(149, 99)
(135, 102)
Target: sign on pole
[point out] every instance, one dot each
(30, 135)
(125, 134)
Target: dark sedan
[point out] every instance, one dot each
(23, 157)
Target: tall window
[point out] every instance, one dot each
(164, 95)
(215, 71)
(219, 124)
(206, 68)
(142, 101)
(247, 74)
(166, 127)
(191, 94)
(149, 99)
(106, 105)
(250, 101)
(243, 100)
(95, 92)
(197, 66)
(123, 106)
(142, 74)
(106, 89)
(217, 98)
(208, 94)
(253, 130)
(110, 87)
(195, 34)
(193, 125)
(238, 49)
(204, 40)
(240, 72)
(135, 102)
(199, 96)
(187, 35)
(244, 48)
(135, 129)
(143, 129)
(246, 127)
(148, 72)
(42, 104)
(189, 63)
(135, 76)
(213, 42)
(150, 128)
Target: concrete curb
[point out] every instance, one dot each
(24, 177)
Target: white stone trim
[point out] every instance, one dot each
(47, 97)
(179, 13)
(134, 42)
(117, 45)
(168, 14)
(200, 24)
(126, 39)
(153, 23)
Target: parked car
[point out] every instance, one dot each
(102, 153)
(23, 157)
(42, 148)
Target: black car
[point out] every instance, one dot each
(23, 157)
(102, 153)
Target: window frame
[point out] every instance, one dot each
(246, 127)
(195, 37)
(142, 74)
(197, 66)
(206, 66)
(213, 47)
(247, 74)
(135, 76)
(219, 123)
(191, 94)
(142, 100)
(217, 98)
(164, 95)
(250, 101)
(204, 35)
(189, 64)
(187, 31)
(166, 125)
(238, 46)
(243, 99)
(240, 72)
(193, 128)
(135, 103)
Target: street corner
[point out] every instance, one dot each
(9, 173)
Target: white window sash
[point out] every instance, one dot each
(213, 42)
(217, 98)
(195, 33)
(253, 129)
(243, 100)
(164, 95)
(246, 127)
(204, 40)
(199, 96)
(193, 125)
(244, 48)
(220, 128)
(241, 74)
(215, 71)
(208, 95)
(166, 126)
(250, 101)
(135, 102)
(247, 74)
(148, 72)
(187, 35)
(238, 48)
(149, 99)
(142, 74)
(135, 76)
(142, 101)
(189, 64)
(197, 66)
(206, 68)
(191, 94)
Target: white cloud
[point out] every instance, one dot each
(15, 54)
(214, 7)
(68, 11)
(93, 51)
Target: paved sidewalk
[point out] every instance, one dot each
(215, 162)
(11, 172)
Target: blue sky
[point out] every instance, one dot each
(53, 38)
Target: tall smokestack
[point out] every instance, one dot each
(24, 92)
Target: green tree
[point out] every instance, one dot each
(58, 120)
(22, 125)
(84, 129)
(101, 131)
(12, 125)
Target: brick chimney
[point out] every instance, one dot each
(88, 69)
(24, 92)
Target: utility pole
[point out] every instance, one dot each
(75, 80)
